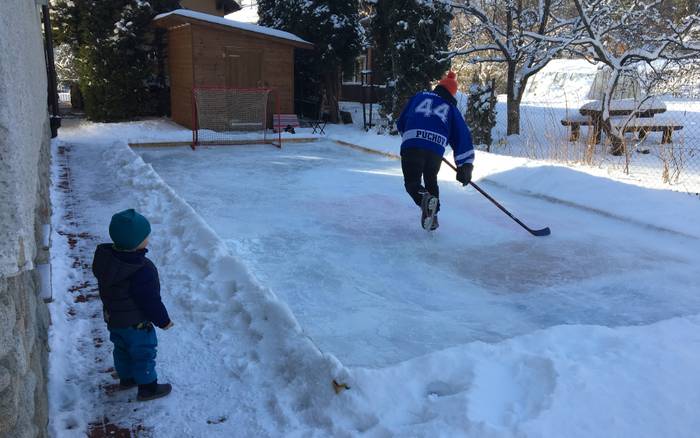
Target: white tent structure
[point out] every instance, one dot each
(571, 81)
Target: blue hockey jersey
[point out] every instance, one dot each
(429, 122)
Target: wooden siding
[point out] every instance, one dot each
(181, 74)
(216, 52)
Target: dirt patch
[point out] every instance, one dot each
(79, 286)
(84, 298)
(107, 429)
(73, 238)
(112, 388)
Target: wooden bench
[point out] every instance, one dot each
(285, 122)
(643, 126)
(575, 121)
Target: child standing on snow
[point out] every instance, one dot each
(427, 124)
(130, 294)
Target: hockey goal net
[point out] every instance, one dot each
(234, 116)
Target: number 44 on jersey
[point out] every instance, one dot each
(426, 108)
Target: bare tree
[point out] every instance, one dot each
(501, 31)
(633, 38)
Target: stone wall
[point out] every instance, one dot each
(24, 207)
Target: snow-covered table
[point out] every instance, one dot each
(621, 107)
(624, 107)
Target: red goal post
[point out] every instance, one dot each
(225, 115)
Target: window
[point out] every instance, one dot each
(353, 75)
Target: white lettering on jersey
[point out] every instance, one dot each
(431, 136)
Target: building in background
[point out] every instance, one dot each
(208, 51)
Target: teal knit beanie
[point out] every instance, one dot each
(128, 229)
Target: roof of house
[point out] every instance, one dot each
(181, 16)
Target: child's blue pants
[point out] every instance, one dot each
(135, 353)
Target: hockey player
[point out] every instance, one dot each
(427, 124)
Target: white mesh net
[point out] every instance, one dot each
(228, 115)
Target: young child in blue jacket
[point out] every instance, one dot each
(429, 122)
(130, 293)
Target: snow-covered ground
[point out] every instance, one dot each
(542, 130)
(544, 137)
(276, 262)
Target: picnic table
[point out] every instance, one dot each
(642, 118)
(625, 107)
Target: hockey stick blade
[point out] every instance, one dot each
(539, 233)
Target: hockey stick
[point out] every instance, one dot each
(542, 232)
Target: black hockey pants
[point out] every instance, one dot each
(420, 166)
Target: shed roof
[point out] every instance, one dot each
(182, 16)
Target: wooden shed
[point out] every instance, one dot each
(209, 51)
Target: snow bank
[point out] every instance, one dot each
(216, 289)
(159, 130)
(658, 209)
(572, 381)
(143, 131)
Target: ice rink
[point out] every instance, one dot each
(331, 231)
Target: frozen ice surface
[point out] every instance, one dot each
(331, 231)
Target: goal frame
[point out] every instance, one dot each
(273, 138)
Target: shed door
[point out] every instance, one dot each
(243, 68)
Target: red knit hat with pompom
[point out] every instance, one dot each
(450, 82)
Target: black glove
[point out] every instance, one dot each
(464, 173)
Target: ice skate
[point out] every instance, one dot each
(429, 205)
(435, 224)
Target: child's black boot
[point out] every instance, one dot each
(126, 383)
(153, 390)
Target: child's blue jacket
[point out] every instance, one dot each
(129, 287)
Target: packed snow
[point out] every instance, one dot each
(286, 269)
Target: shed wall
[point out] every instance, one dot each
(211, 45)
(181, 74)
